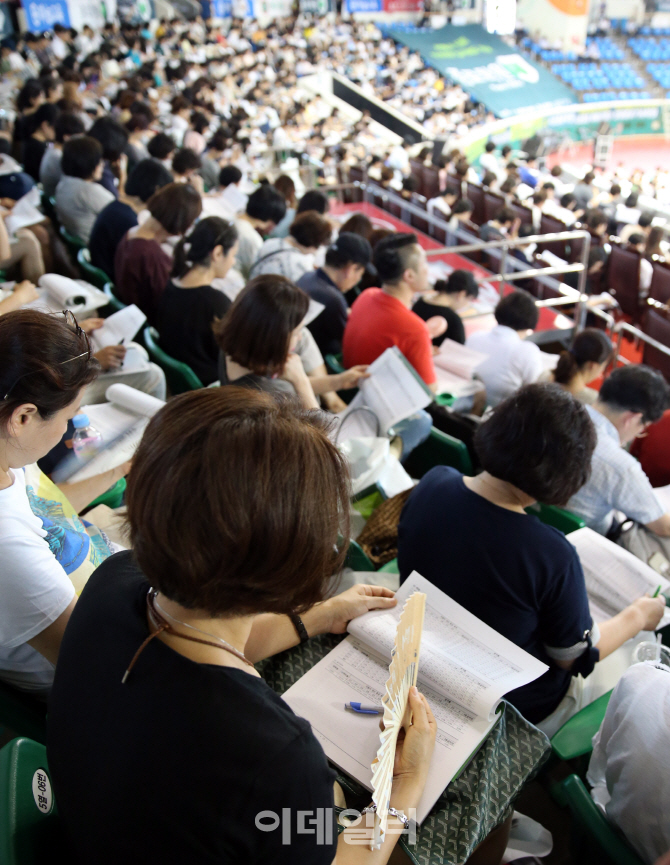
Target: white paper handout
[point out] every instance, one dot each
(485, 302)
(60, 292)
(25, 212)
(121, 422)
(234, 198)
(438, 270)
(551, 259)
(548, 360)
(215, 205)
(315, 309)
(455, 365)
(393, 392)
(121, 327)
(9, 165)
(614, 577)
(466, 668)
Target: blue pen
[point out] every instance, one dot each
(364, 709)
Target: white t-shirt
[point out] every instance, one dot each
(630, 765)
(34, 589)
(438, 204)
(511, 362)
(249, 245)
(278, 255)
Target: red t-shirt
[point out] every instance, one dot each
(653, 452)
(379, 321)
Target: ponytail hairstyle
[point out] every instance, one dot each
(589, 346)
(195, 250)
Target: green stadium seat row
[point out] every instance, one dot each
(180, 377)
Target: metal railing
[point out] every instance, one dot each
(622, 328)
(570, 296)
(371, 193)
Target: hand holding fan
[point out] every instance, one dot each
(403, 673)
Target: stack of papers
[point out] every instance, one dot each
(455, 365)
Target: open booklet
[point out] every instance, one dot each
(119, 329)
(614, 577)
(393, 392)
(121, 422)
(25, 212)
(455, 365)
(465, 670)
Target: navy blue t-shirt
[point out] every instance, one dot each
(328, 327)
(519, 576)
(109, 228)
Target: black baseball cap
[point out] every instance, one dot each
(350, 247)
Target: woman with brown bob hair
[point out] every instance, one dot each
(197, 752)
(258, 338)
(141, 266)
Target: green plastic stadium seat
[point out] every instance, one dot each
(368, 500)
(29, 833)
(439, 449)
(390, 567)
(49, 207)
(357, 559)
(114, 303)
(559, 518)
(113, 497)
(574, 738)
(180, 377)
(52, 214)
(594, 839)
(22, 714)
(92, 274)
(334, 363)
(73, 243)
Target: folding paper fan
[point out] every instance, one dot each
(403, 673)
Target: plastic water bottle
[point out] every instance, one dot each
(86, 439)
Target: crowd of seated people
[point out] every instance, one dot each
(163, 180)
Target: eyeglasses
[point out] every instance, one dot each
(72, 322)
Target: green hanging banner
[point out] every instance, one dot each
(504, 80)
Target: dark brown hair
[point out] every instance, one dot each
(541, 440)
(286, 186)
(256, 330)
(358, 223)
(40, 363)
(176, 206)
(379, 234)
(589, 346)
(310, 229)
(271, 497)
